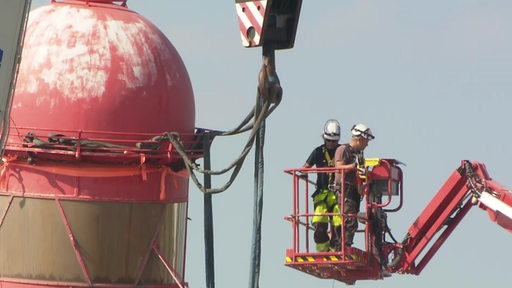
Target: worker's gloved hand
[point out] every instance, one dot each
(361, 171)
(334, 187)
(360, 165)
(302, 175)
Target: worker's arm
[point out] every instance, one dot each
(339, 164)
(303, 174)
(340, 159)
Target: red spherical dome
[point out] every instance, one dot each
(100, 67)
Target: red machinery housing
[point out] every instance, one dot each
(92, 191)
(468, 186)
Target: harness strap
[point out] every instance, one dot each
(330, 163)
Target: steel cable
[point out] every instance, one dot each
(192, 167)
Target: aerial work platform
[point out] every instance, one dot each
(345, 266)
(381, 184)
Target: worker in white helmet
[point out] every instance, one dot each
(346, 157)
(325, 200)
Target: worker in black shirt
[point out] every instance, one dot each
(325, 200)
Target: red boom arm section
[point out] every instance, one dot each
(469, 185)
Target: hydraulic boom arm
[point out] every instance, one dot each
(469, 185)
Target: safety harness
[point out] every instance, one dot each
(330, 163)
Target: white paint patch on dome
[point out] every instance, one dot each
(139, 65)
(63, 54)
(69, 50)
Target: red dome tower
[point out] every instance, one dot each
(93, 192)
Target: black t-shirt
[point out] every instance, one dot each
(319, 159)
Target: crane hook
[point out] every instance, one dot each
(268, 81)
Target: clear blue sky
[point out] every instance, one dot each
(433, 80)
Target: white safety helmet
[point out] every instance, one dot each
(332, 130)
(363, 131)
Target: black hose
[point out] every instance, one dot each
(258, 208)
(398, 257)
(209, 259)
